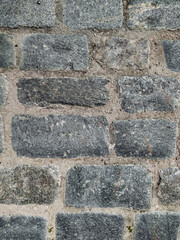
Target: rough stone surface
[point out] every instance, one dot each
(1, 135)
(30, 13)
(3, 90)
(101, 14)
(172, 54)
(127, 186)
(121, 53)
(154, 17)
(29, 185)
(149, 93)
(22, 227)
(45, 92)
(147, 138)
(89, 226)
(64, 136)
(7, 55)
(169, 187)
(157, 226)
(154, 2)
(55, 52)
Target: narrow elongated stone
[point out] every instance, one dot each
(149, 93)
(169, 187)
(154, 15)
(3, 90)
(157, 225)
(172, 54)
(97, 226)
(55, 52)
(7, 55)
(147, 138)
(29, 185)
(64, 136)
(30, 13)
(22, 227)
(48, 92)
(125, 186)
(89, 14)
(121, 53)
(1, 135)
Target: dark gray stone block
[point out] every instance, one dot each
(154, 17)
(169, 187)
(31, 13)
(29, 185)
(3, 90)
(121, 53)
(149, 93)
(125, 186)
(157, 226)
(48, 92)
(88, 226)
(147, 138)
(172, 54)
(64, 136)
(1, 135)
(55, 52)
(7, 54)
(102, 14)
(22, 227)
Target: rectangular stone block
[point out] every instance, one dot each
(172, 54)
(126, 186)
(96, 226)
(169, 185)
(1, 135)
(31, 13)
(53, 91)
(153, 2)
(7, 54)
(3, 90)
(55, 52)
(148, 93)
(157, 226)
(89, 14)
(147, 138)
(29, 185)
(154, 15)
(22, 227)
(63, 136)
(124, 54)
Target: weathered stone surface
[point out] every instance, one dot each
(22, 227)
(125, 186)
(153, 2)
(89, 226)
(29, 185)
(64, 136)
(44, 92)
(102, 14)
(30, 13)
(149, 93)
(120, 53)
(3, 90)
(172, 54)
(147, 138)
(55, 52)
(1, 135)
(157, 226)
(7, 55)
(169, 188)
(154, 16)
